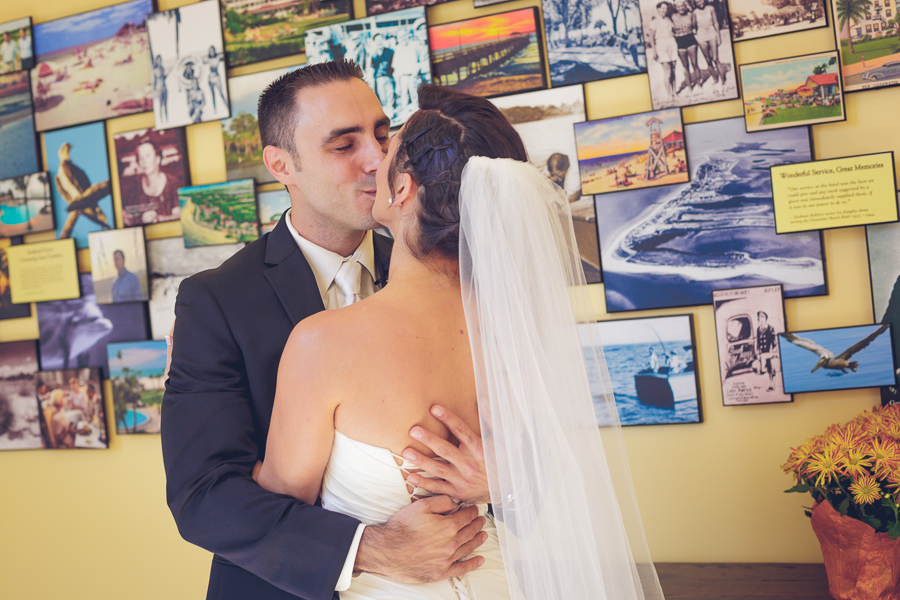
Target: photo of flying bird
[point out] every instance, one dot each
(827, 358)
(76, 189)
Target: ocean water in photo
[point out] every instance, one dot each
(18, 151)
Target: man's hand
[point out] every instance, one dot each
(464, 475)
(421, 544)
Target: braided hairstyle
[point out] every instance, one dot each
(434, 147)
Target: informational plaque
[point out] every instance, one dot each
(43, 272)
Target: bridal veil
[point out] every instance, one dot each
(559, 483)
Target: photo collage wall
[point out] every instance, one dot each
(666, 214)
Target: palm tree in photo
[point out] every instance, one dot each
(851, 11)
(896, 24)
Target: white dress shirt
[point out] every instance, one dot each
(325, 265)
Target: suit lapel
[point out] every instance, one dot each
(383, 246)
(291, 276)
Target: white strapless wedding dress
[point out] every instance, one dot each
(366, 482)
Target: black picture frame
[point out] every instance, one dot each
(12, 26)
(858, 85)
(739, 38)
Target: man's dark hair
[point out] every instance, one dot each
(559, 161)
(763, 314)
(120, 253)
(277, 108)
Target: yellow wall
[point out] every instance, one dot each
(94, 524)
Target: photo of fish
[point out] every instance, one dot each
(20, 423)
(219, 213)
(92, 66)
(652, 367)
(25, 205)
(489, 56)
(671, 246)
(18, 142)
(271, 206)
(136, 372)
(634, 151)
(837, 359)
(82, 196)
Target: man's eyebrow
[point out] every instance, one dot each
(336, 133)
(383, 122)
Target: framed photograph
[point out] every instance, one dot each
(119, 265)
(803, 90)
(483, 3)
(392, 50)
(267, 29)
(170, 263)
(16, 46)
(72, 409)
(240, 132)
(20, 421)
(271, 206)
(188, 65)
(489, 56)
(152, 166)
(672, 246)
(843, 358)
(92, 66)
(377, 7)
(8, 310)
(747, 323)
(862, 28)
(19, 152)
(78, 164)
(753, 19)
(884, 274)
(544, 121)
(631, 152)
(74, 333)
(219, 213)
(652, 367)
(690, 57)
(136, 371)
(25, 205)
(592, 39)
(43, 271)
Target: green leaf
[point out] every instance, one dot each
(844, 506)
(873, 521)
(887, 503)
(799, 488)
(894, 531)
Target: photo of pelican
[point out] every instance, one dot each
(873, 365)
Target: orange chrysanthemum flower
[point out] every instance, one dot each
(886, 454)
(799, 456)
(825, 463)
(855, 462)
(865, 490)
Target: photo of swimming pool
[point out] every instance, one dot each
(137, 371)
(25, 205)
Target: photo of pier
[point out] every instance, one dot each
(489, 56)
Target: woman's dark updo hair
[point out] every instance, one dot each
(434, 146)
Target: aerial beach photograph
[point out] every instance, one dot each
(219, 213)
(92, 66)
(18, 142)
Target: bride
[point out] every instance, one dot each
(477, 317)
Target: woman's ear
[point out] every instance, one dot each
(405, 191)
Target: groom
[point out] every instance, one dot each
(324, 134)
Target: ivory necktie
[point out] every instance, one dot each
(347, 279)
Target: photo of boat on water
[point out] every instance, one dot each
(219, 213)
(92, 66)
(136, 372)
(18, 142)
(652, 367)
(671, 246)
(25, 205)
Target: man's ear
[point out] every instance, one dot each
(279, 163)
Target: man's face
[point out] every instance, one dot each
(557, 174)
(381, 209)
(341, 137)
(119, 261)
(5, 36)
(762, 321)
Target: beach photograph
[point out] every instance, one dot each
(672, 246)
(72, 409)
(119, 265)
(240, 132)
(152, 166)
(843, 358)
(747, 321)
(92, 66)
(170, 263)
(631, 152)
(219, 213)
(136, 371)
(489, 56)
(25, 205)
(592, 40)
(544, 120)
(803, 90)
(16, 45)
(867, 41)
(266, 29)
(20, 422)
(652, 367)
(754, 19)
(18, 141)
(271, 206)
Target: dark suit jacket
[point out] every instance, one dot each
(231, 327)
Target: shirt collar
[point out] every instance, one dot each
(325, 263)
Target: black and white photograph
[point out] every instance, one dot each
(20, 421)
(652, 367)
(376, 7)
(544, 120)
(74, 333)
(72, 408)
(690, 57)
(483, 3)
(188, 58)
(170, 263)
(747, 323)
(884, 274)
(588, 40)
(671, 246)
(392, 50)
(754, 19)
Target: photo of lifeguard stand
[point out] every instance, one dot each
(657, 166)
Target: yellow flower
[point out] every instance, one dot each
(865, 490)
(847, 437)
(854, 462)
(886, 454)
(799, 456)
(825, 463)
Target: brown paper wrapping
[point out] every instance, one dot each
(861, 564)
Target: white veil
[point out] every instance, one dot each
(560, 485)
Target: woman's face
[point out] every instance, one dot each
(380, 210)
(663, 10)
(147, 159)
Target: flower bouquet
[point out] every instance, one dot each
(853, 474)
